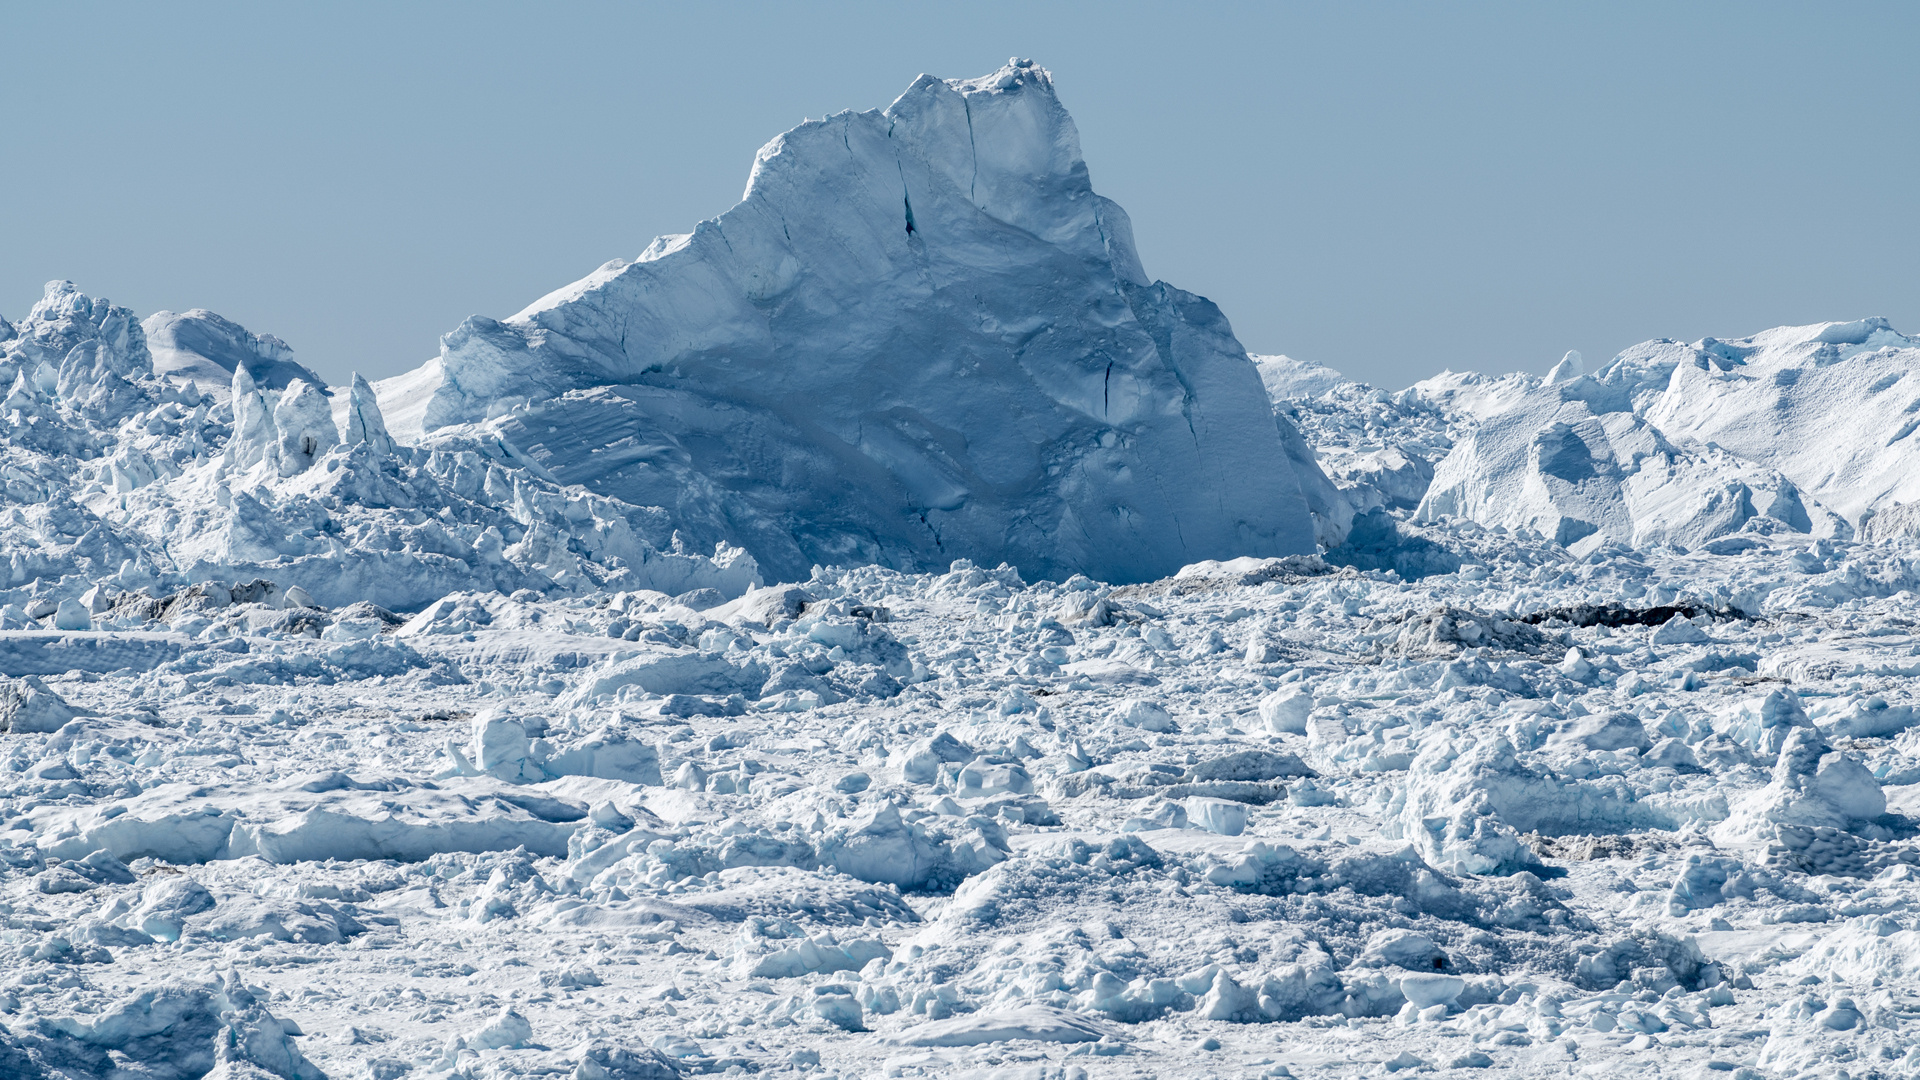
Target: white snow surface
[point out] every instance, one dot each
(345, 734)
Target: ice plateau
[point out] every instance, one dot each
(823, 649)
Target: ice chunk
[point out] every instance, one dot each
(1764, 724)
(1427, 990)
(1038, 1023)
(1407, 949)
(881, 846)
(610, 753)
(600, 1061)
(500, 747)
(819, 954)
(1285, 710)
(1812, 786)
(365, 424)
(836, 1004)
(304, 421)
(171, 1030)
(166, 904)
(1143, 714)
(72, 615)
(1570, 367)
(506, 1028)
(308, 922)
(1218, 816)
(661, 672)
(255, 439)
(1157, 815)
(28, 706)
(1678, 630)
(922, 762)
(1608, 731)
(764, 607)
(979, 780)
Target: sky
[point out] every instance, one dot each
(1387, 189)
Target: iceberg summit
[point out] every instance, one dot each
(919, 336)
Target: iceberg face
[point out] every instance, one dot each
(304, 424)
(365, 423)
(1285, 377)
(1833, 406)
(921, 335)
(1581, 468)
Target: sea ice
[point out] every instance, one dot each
(823, 648)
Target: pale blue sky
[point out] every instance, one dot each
(1386, 188)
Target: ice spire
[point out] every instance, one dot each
(365, 424)
(255, 439)
(304, 419)
(1570, 367)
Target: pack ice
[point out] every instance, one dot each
(823, 649)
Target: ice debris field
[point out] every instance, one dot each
(885, 633)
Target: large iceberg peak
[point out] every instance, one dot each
(920, 335)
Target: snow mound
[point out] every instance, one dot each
(920, 335)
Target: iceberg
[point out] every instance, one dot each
(921, 335)
(1803, 429)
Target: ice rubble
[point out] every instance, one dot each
(892, 821)
(115, 472)
(335, 747)
(927, 326)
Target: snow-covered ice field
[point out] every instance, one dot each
(478, 723)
